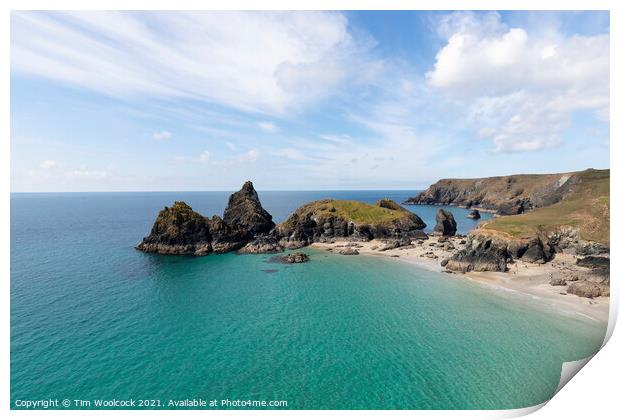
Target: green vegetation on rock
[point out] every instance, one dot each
(354, 211)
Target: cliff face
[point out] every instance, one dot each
(513, 194)
(181, 230)
(327, 219)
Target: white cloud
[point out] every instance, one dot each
(269, 62)
(268, 127)
(204, 156)
(524, 87)
(48, 164)
(250, 156)
(231, 145)
(161, 135)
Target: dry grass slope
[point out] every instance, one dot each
(586, 207)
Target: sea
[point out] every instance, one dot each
(96, 322)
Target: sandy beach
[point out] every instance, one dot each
(530, 280)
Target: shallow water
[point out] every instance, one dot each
(93, 318)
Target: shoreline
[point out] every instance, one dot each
(528, 280)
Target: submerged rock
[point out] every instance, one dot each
(295, 258)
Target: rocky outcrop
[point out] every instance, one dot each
(589, 289)
(513, 194)
(491, 251)
(295, 258)
(446, 225)
(569, 240)
(180, 230)
(601, 263)
(248, 228)
(226, 238)
(245, 213)
(481, 253)
(262, 245)
(474, 214)
(324, 220)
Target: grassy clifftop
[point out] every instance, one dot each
(354, 211)
(585, 207)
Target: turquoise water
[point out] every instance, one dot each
(91, 318)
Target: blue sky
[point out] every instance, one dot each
(145, 101)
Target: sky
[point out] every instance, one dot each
(171, 101)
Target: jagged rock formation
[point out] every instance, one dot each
(491, 251)
(180, 230)
(327, 219)
(513, 194)
(249, 228)
(446, 225)
(481, 253)
(245, 212)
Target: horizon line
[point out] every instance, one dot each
(194, 191)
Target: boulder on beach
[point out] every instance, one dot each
(589, 289)
(348, 251)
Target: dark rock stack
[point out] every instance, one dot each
(245, 212)
(474, 214)
(446, 225)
